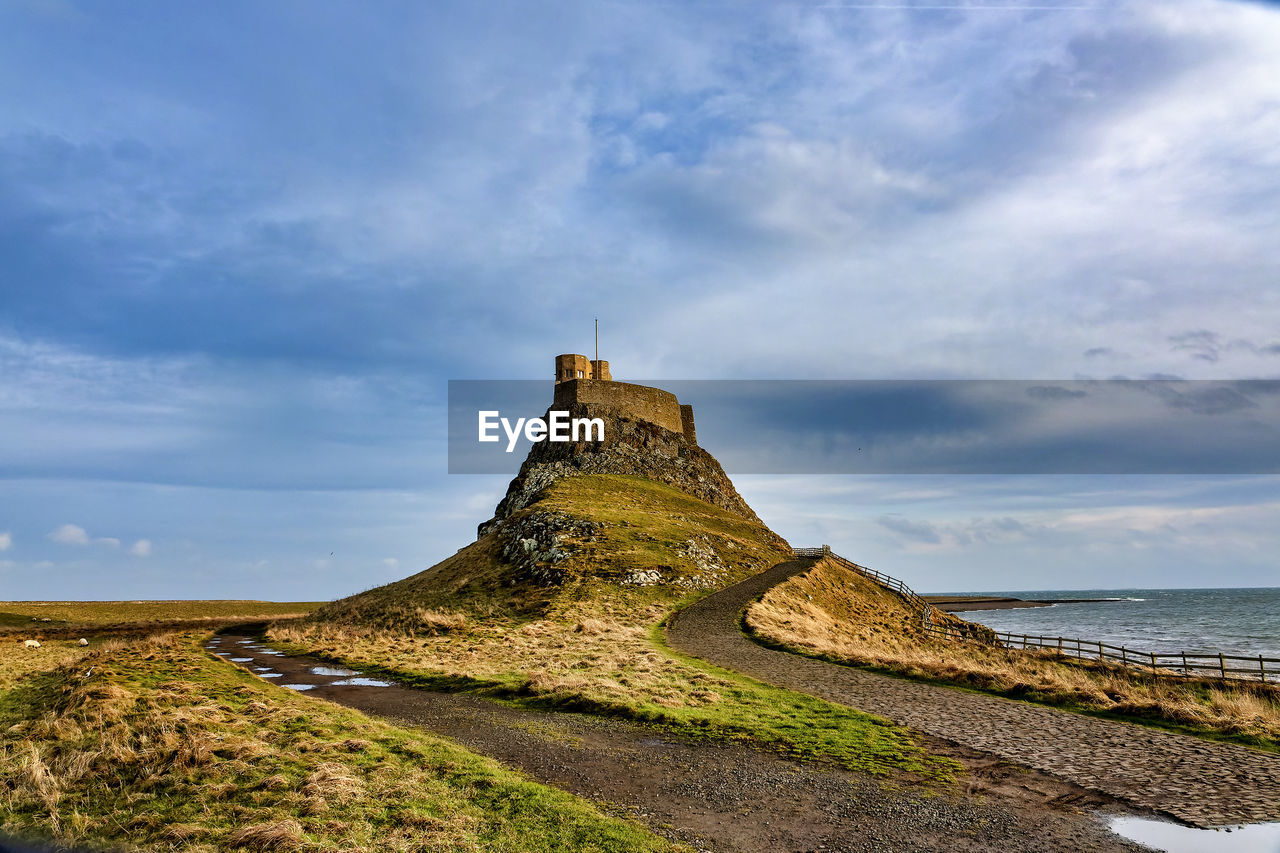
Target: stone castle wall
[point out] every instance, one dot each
(686, 422)
(638, 402)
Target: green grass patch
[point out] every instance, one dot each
(165, 748)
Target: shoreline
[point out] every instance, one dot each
(962, 603)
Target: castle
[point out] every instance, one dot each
(587, 382)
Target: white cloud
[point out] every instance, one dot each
(391, 562)
(6, 541)
(74, 534)
(141, 548)
(70, 534)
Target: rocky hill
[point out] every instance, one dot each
(643, 517)
(632, 447)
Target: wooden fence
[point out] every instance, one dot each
(1174, 664)
(1179, 664)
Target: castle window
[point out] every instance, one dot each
(579, 374)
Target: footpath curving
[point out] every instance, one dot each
(1201, 782)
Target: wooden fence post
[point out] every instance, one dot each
(1222, 665)
(1186, 673)
(1262, 669)
(1153, 663)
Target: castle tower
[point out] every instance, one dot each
(571, 366)
(602, 395)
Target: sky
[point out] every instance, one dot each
(245, 246)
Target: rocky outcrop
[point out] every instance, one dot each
(536, 543)
(630, 447)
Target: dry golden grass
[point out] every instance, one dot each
(17, 661)
(165, 748)
(834, 612)
(601, 660)
(277, 835)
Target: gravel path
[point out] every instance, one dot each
(720, 797)
(1201, 782)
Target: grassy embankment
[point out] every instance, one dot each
(41, 619)
(834, 613)
(590, 643)
(165, 748)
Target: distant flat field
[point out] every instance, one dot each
(14, 614)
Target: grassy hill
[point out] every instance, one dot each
(561, 604)
(606, 544)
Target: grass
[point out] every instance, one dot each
(17, 661)
(34, 617)
(614, 669)
(165, 748)
(590, 643)
(641, 525)
(834, 613)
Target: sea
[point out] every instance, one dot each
(1231, 621)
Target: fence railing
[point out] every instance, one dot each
(1180, 664)
(1176, 664)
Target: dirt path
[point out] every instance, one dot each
(1201, 782)
(717, 797)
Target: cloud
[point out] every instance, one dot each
(391, 562)
(1200, 343)
(74, 534)
(914, 531)
(6, 540)
(141, 548)
(957, 534)
(1054, 392)
(213, 290)
(70, 534)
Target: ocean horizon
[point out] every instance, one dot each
(1232, 620)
